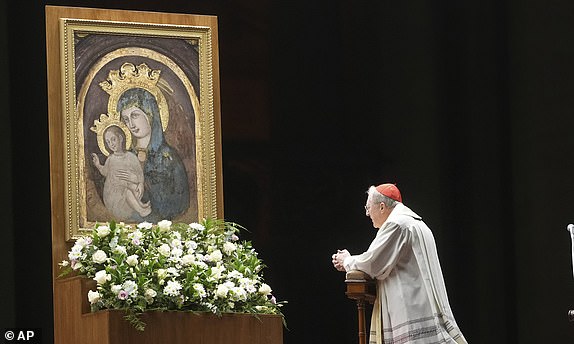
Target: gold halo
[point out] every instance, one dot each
(104, 123)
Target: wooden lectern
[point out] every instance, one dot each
(361, 288)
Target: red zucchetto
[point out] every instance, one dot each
(391, 191)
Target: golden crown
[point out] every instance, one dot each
(130, 76)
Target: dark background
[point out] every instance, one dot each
(466, 105)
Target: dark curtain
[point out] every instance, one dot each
(465, 105)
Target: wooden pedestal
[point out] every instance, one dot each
(362, 289)
(74, 323)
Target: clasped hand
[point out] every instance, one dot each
(338, 259)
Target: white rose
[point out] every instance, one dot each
(132, 260)
(103, 231)
(150, 293)
(93, 297)
(216, 256)
(145, 225)
(221, 291)
(229, 247)
(188, 259)
(164, 250)
(102, 277)
(99, 257)
(265, 289)
(200, 289)
(164, 225)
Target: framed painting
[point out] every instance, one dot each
(140, 123)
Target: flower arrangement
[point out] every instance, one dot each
(200, 267)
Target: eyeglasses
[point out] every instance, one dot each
(367, 207)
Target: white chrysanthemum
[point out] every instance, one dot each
(172, 288)
(102, 277)
(200, 264)
(229, 247)
(200, 290)
(197, 226)
(99, 257)
(93, 297)
(173, 271)
(132, 260)
(235, 274)
(75, 253)
(248, 284)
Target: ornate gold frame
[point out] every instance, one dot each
(74, 124)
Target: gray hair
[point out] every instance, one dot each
(378, 198)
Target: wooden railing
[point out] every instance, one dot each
(361, 288)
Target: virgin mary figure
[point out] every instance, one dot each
(165, 180)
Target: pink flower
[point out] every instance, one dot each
(122, 295)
